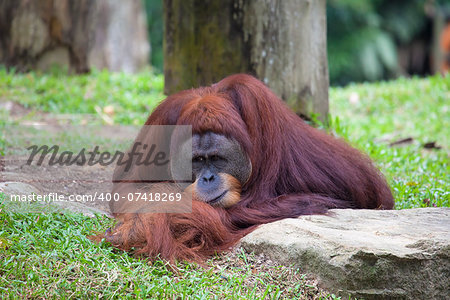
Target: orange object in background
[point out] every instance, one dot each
(445, 48)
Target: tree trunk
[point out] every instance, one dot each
(281, 42)
(78, 34)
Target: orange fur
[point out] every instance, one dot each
(296, 170)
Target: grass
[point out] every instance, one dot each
(371, 116)
(127, 99)
(49, 255)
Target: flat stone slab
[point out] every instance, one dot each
(370, 254)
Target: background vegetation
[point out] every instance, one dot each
(155, 32)
(364, 36)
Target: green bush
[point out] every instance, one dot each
(363, 37)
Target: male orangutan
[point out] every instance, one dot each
(253, 162)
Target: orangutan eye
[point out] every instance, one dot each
(198, 159)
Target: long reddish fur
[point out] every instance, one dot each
(296, 170)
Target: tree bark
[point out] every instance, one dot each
(79, 34)
(281, 42)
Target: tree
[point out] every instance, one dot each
(282, 42)
(78, 34)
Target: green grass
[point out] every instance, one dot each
(390, 111)
(132, 97)
(49, 256)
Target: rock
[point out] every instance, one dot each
(77, 207)
(17, 188)
(370, 254)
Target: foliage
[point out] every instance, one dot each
(363, 36)
(155, 31)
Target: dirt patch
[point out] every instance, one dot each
(79, 182)
(26, 128)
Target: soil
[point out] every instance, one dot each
(64, 180)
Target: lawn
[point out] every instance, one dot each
(371, 116)
(49, 255)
